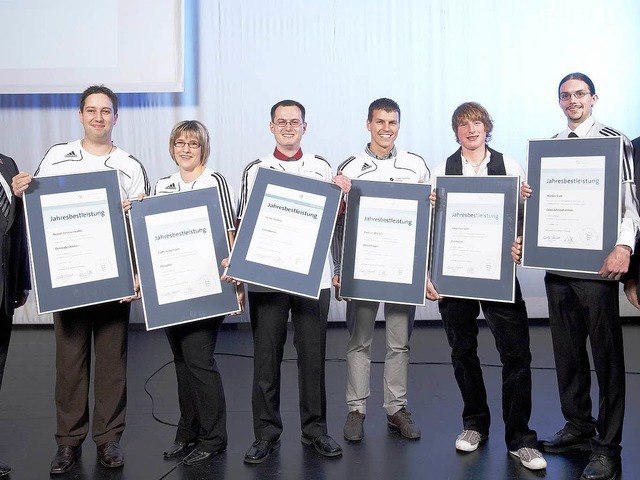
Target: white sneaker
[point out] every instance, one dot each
(469, 440)
(530, 458)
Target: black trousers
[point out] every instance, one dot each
(578, 309)
(203, 415)
(5, 337)
(509, 325)
(108, 325)
(269, 313)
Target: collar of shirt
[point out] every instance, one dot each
(285, 158)
(485, 160)
(391, 154)
(582, 130)
(187, 185)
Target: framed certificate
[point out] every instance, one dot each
(78, 240)
(285, 233)
(573, 215)
(475, 225)
(179, 241)
(386, 238)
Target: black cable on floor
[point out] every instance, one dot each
(170, 471)
(339, 360)
(153, 414)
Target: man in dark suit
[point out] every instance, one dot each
(632, 280)
(15, 280)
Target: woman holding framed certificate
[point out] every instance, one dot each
(201, 432)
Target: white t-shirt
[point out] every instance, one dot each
(208, 178)
(67, 158)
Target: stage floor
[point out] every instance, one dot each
(27, 414)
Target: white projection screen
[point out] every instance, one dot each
(62, 46)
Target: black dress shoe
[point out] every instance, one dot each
(65, 458)
(260, 450)
(564, 441)
(110, 455)
(324, 445)
(601, 467)
(177, 448)
(198, 456)
(4, 469)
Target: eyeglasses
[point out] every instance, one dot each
(193, 144)
(564, 96)
(295, 123)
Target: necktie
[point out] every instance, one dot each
(573, 135)
(4, 202)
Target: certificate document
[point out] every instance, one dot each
(475, 226)
(78, 235)
(182, 255)
(178, 240)
(286, 229)
(571, 202)
(386, 244)
(385, 239)
(473, 235)
(285, 234)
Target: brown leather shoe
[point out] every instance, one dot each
(354, 426)
(110, 455)
(64, 459)
(401, 421)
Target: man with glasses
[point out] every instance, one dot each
(269, 311)
(632, 279)
(106, 323)
(582, 306)
(15, 279)
(380, 161)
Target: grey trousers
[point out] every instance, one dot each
(361, 317)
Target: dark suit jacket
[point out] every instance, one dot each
(634, 265)
(14, 268)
